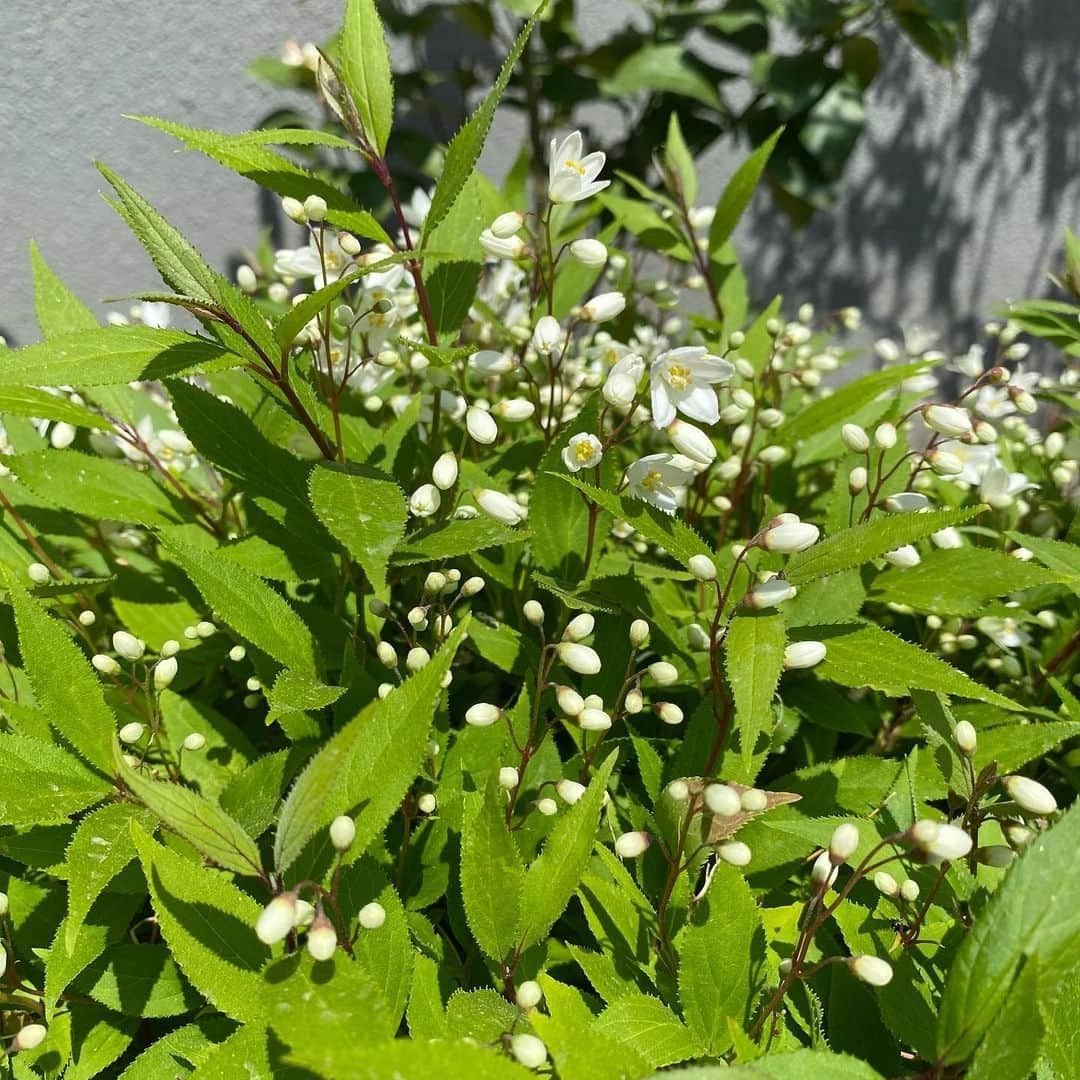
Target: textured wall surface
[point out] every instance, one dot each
(956, 199)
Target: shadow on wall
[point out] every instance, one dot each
(961, 189)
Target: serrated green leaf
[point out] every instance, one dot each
(58, 309)
(113, 356)
(365, 511)
(492, 874)
(65, 685)
(203, 824)
(651, 1028)
(553, 876)
(679, 161)
(426, 1015)
(209, 926)
(719, 959)
(297, 317)
(465, 146)
(404, 1057)
(250, 606)
(138, 980)
(28, 401)
(866, 655)
(1058, 555)
(735, 197)
(365, 69)
(871, 539)
(794, 1065)
(455, 538)
(368, 764)
(180, 1050)
(252, 796)
(754, 656)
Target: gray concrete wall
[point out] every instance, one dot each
(955, 201)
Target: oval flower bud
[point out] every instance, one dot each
(528, 1050)
(547, 807)
(371, 916)
(702, 567)
(691, 442)
(417, 658)
(855, 438)
(948, 844)
(194, 741)
(506, 225)
(528, 995)
(639, 633)
(425, 501)
(669, 712)
(632, 844)
(885, 436)
(947, 420)
(445, 471)
(533, 611)
(857, 478)
(482, 714)
(804, 654)
(315, 207)
(903, 557)
(885, 884)
(342, 832)
(606, 306)
(679, 790)
(569, 791)
(579, 658)
(907, 502)
(105, 664)
(321, 939)
(579, 627)
(591, 719)
(734, 853)
(499, 506)
(276, 919)
(589, 252)
(514, 409)
(38, 573)
(164, 672)
(509, 778)
(427, 803)
(844, 842)
(132, 732)
(481, 426)
(871, 970)
(966, 738)
(823, 872)
(1030, 795)
(791, 536)
(634, 702)
(663, 673)
(29, 1037)
(548, 335)
(570, 701)
(128, 645)
(620, 389)
(769, 593)
(722, 800)
(754, 800)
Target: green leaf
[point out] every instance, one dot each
(795, 1065)
(113, 356)
(252, 796)
(296, 318)
(1030, 918)
(64, 684)
(464, 149)
(680, 162)
(369, 763)
(27, 401)
(735, 197)
(138, 980)
(250, 606)
(754, 653)
(200, 822)
(406, 1058)
(861, 543)
(651, 1028)
(866, 655)
(553, 876)
(666, 68)
(492, 874)
(58, 309)
(365, 69)
(720, 954)
(99, 850)
(96, 487)
(668, 531)
(958, 581)
(454, 538)
(271, 170)
(365, 511)
(41, 784)
(209, 926)
(1058, 555)
(180, 1050)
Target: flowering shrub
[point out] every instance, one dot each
(459, 657)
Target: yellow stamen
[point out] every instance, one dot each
(678, 376)
(575, 165)
(653, 480)
(583, 451)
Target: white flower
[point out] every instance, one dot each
(654, 479)
(584, 451)
(499, 506)
(416, 209)
(1005, 632)
(947, 538)
(305, 262)
(999, 486)
(571, 173)
(682, 380)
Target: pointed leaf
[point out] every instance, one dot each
(365, 69)
(59, 310)
(735, 197)
(754, 653)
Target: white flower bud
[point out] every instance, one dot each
(499, 506)
(170, 648)
(691, 442)
(321, 939)
(632, 844)
(417, 618)
(29, 1037)
(634, 702)
(591, 719)
(294, 209)
(871, 970)
(471, 586)
(589, 252)
(547, 807)
(205, 629)
(844, 842)
(534, 612)
(570, 701)
(548, 335)
(966, 738)
(509, 778)
(425, 501)
(804, 654)
(947, 420)
(105, 664)
(996, 855)
(791, 536)
(722, 800)
(246, 279)
(194, 741)
(417, 658)
(948, 842)
(734, 853)
(87, 618)
(885, 436)
(855, 438)
(945, 463)
(1030, 795)
(579, 658)
(702, 567)
(907, 502)
(639, 633)
(128, 645)
(1018, 835)
(742, 398)
(528, 1050)
(770, 419)
(903, 557)
(506, 225)
(371, 916)
(754, 800)
(276, 919)
(348, 243)
(482, 714)
(663, 673)
(669, 712)
(514, 409)
(445, 471)
(857, 478)
(620, 389)
(606, 306)
(769, 593)
(315, 208)
(679, 790)
(528, 995)
(947, 538)
(38, 573)
(569, 791)
(427, 803)
(4, 906)
(481, 426)
(885, 884)
(387, 654)
(342, 832)
(165, 672)
(823, 872)
(579, 627)
(697, 638)
(132, 732)
(435, 582)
